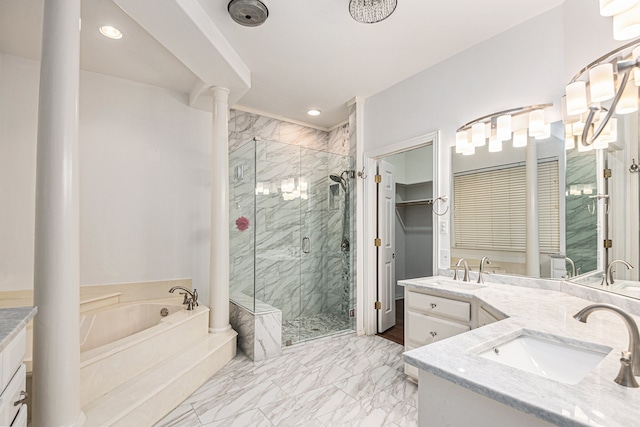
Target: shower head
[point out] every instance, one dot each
(339, 179)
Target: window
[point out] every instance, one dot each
(490, 208)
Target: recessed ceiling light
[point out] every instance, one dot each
(314, 112)
(111, 32)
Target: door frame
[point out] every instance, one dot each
(368, 251)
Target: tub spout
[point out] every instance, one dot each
(190, 297)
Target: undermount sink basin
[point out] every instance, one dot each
(628, 288)
(548, 356)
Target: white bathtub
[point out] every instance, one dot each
(121, 341)
(103, 327)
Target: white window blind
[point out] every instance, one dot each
(490, 208)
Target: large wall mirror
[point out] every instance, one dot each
(579, 210)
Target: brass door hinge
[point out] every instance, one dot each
(607, 173)
(378, 305)
(378, 179)
(608, 243)
(377, 242)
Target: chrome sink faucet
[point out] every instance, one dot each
(573, 266)
(630, 360)
(607, 279)
(190, 297)
(461, 262)
(485, 259)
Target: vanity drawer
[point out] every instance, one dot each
(442, 306)
(12, 357)
(11, 394)
(422, 329)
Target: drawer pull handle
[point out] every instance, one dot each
(433, 305)
(433, 334)
(23, 398)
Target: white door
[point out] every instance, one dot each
(386, 251)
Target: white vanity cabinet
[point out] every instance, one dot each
(13, 372)
(429, 318)
(14, 381)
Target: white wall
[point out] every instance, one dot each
(144, 181)
(530, 63)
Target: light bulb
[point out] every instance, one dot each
(462, 140)
(503, 131)
(477, 134)
(520, 138)
(601, 84)
(536, 123)
(629, 100)
(576, 98)
(569, 142)
(626, 25)
(614, 7)
(578, 128)
(636, 70)
(469, 150)
(495, 144)
(546, 133)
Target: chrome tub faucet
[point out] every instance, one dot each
(190, 297)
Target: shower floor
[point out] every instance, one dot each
(311, 327)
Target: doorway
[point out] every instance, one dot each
(404, 229)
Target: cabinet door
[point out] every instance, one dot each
(11, 394)
(21, 418)
(422, 329)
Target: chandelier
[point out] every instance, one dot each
(371, 11)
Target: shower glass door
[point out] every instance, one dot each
(300, 237)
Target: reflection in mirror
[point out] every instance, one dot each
(616, 202)
(489, 200)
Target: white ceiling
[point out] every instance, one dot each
(309, 53)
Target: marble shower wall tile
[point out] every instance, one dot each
(268, 335)
(242, 322)
(283, 151)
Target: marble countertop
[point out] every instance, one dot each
(595, 401)
(12, 320)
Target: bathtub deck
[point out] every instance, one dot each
(148, 397)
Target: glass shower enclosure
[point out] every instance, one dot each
(291, 236)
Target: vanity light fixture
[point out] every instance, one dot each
(111, 32)
(626, 17)
(314, 112)
(611, 77)
(516, 124)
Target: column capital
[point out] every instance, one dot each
(219, 93)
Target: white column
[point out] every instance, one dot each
(219, 265)
(56, 348)
(532, 252)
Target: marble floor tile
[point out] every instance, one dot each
(305, 407)
(182, 416)
(381, 409)
(224, 406)
(369, 383)
(309, 379)
(253, 418)
(340, 380)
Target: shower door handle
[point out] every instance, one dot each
(306, 244)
